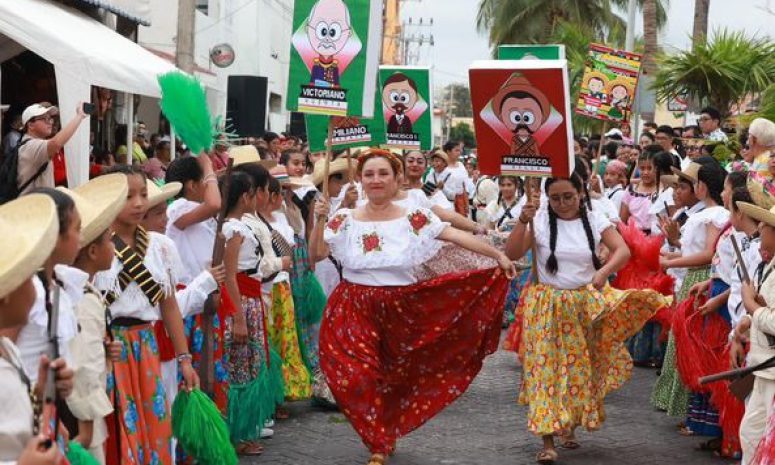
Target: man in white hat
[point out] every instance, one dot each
(35, 167)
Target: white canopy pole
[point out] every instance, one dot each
(130, 127)
(71, 90)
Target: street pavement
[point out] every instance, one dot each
(486, 426)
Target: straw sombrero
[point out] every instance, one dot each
(761, 191)
(294, 182)
(99, 202)
(244, 154)
(517, 83)
(159, 194)
(669, 180)
(758, 213)
(28, 233)
(440, 154)
(690, 173)
(340, 165)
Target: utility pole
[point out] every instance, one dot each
(184, 46)
(450, 106)
(414, 34)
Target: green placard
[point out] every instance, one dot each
(334, 56)
(349, 131)
(406, 104)
(534, 52)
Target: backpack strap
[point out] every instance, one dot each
(37, 174)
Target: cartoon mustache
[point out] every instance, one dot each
(399, 108)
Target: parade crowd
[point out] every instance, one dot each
(376, 284)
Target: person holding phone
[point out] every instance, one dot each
(37, 148)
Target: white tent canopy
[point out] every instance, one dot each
(84, 52)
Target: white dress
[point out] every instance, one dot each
(195, 243)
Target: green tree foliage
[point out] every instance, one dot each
(463, 132)
(720, 72)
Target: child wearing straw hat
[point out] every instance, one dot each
(98, 202)
(28, 234)
(140, 286)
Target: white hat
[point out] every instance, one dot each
(35, 110)
(614, 132)
(99, 202)
(28, 234)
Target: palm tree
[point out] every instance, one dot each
(720, 72)
(650, 12)
(536, 21)
(700, 30)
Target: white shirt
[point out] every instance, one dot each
(574, 257)
(270, 263)
(383, 253)
(658, 207)
(459, 182)
(195, 243)
(162, 261)
(249, 253)
(605, 206)
(728, 269)
(497, 210)
(694, 237)
(279, 223)
(33, 337)
(615, 194)
(15, 405)
(763, 323)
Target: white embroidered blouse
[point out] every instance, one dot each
(383, 253)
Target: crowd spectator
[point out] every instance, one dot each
(14, 135)
(710, 125)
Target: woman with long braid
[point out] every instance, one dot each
(574, 325)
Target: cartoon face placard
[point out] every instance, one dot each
(522, 117)
(334, 57)
(609, 83)
(405, 93)
(531, 52)
(348, 131)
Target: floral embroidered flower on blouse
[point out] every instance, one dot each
(371, 242)
(418, 220)
(336, 222)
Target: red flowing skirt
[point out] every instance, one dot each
(396, 356)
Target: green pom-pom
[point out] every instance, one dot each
(200, 429)
(309, 299)
(77, 455)
(184, 103)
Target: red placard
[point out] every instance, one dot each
(522, 117)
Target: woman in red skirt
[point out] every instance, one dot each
(395, 351)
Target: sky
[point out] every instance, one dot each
(457, 43)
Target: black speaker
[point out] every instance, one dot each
(246, 105)
(298, 125)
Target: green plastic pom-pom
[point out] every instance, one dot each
(77, 455)
(200, 429)
(184, 103)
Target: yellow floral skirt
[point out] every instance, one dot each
(573, 352)
(285, 340)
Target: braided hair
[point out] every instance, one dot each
(551, 262)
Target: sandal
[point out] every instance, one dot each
(282, 414)
(376, 459)
(686, 431)
(249, 449)
(570, 444)
(546, 456)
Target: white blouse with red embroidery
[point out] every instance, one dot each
(383, 253)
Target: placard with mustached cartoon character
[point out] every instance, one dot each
(334, 57)
(609, 83)
(405, 94)
(522, 117)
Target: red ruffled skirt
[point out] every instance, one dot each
(396, 356)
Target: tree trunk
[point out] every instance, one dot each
(700, 31)
(651, 45)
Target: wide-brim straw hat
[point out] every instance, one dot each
(669, 180)
(99, 202)
(340, 165)
(760, 194)
(440, 154)
(691, 173)
(159, 194)
(280, 173)
(244, 154)
(758, 213)
(29, 227)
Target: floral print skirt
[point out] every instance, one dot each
(195, 335)
(396, 356)
(573, 353)
(144, 435)
(285, 339)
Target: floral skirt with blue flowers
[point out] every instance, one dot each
(195, 334)
(144, 424)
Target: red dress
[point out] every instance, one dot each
(396, 352)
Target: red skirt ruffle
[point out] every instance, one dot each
(396, 356)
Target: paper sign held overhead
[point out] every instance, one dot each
(608, 86)
(531, 52)
(334, 57)
(406, 102)
(522, 117)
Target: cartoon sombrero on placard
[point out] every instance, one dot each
(518, 84)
